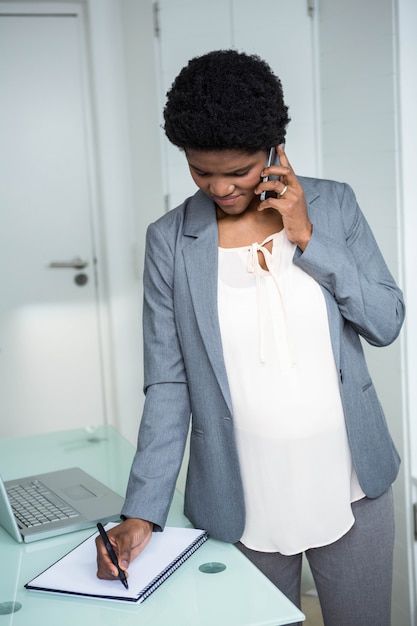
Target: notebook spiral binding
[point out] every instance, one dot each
(172, 567)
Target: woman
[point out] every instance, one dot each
(253, 313)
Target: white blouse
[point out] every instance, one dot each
(295, 459)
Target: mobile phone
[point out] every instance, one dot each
(272, 159)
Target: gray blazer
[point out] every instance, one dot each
(185, 372)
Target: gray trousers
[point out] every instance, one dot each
(353, 575)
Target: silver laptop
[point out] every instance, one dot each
(59, 502)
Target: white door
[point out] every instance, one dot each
(50, 366)
(280, 31)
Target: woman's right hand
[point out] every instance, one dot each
(128, 540)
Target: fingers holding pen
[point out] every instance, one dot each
(127, 539)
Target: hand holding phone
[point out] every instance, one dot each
(272, 159)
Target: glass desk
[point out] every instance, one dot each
(238, 596)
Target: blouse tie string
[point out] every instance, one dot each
(254, 267)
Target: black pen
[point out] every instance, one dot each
(112, 554)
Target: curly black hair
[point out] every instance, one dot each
(226, 100)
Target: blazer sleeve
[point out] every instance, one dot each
(351, 267)
(165, 420)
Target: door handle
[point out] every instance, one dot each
(77, 264)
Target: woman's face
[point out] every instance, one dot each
(228, 177)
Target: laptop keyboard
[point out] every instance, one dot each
(34, 504)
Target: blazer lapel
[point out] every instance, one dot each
(201, 265)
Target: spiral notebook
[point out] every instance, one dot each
(75, 573)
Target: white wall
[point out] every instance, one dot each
(407, 105)
(407, 100)
(123, 75)
(360, 144)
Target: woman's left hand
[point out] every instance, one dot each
(290, 202)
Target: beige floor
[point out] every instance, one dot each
(310, 606)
